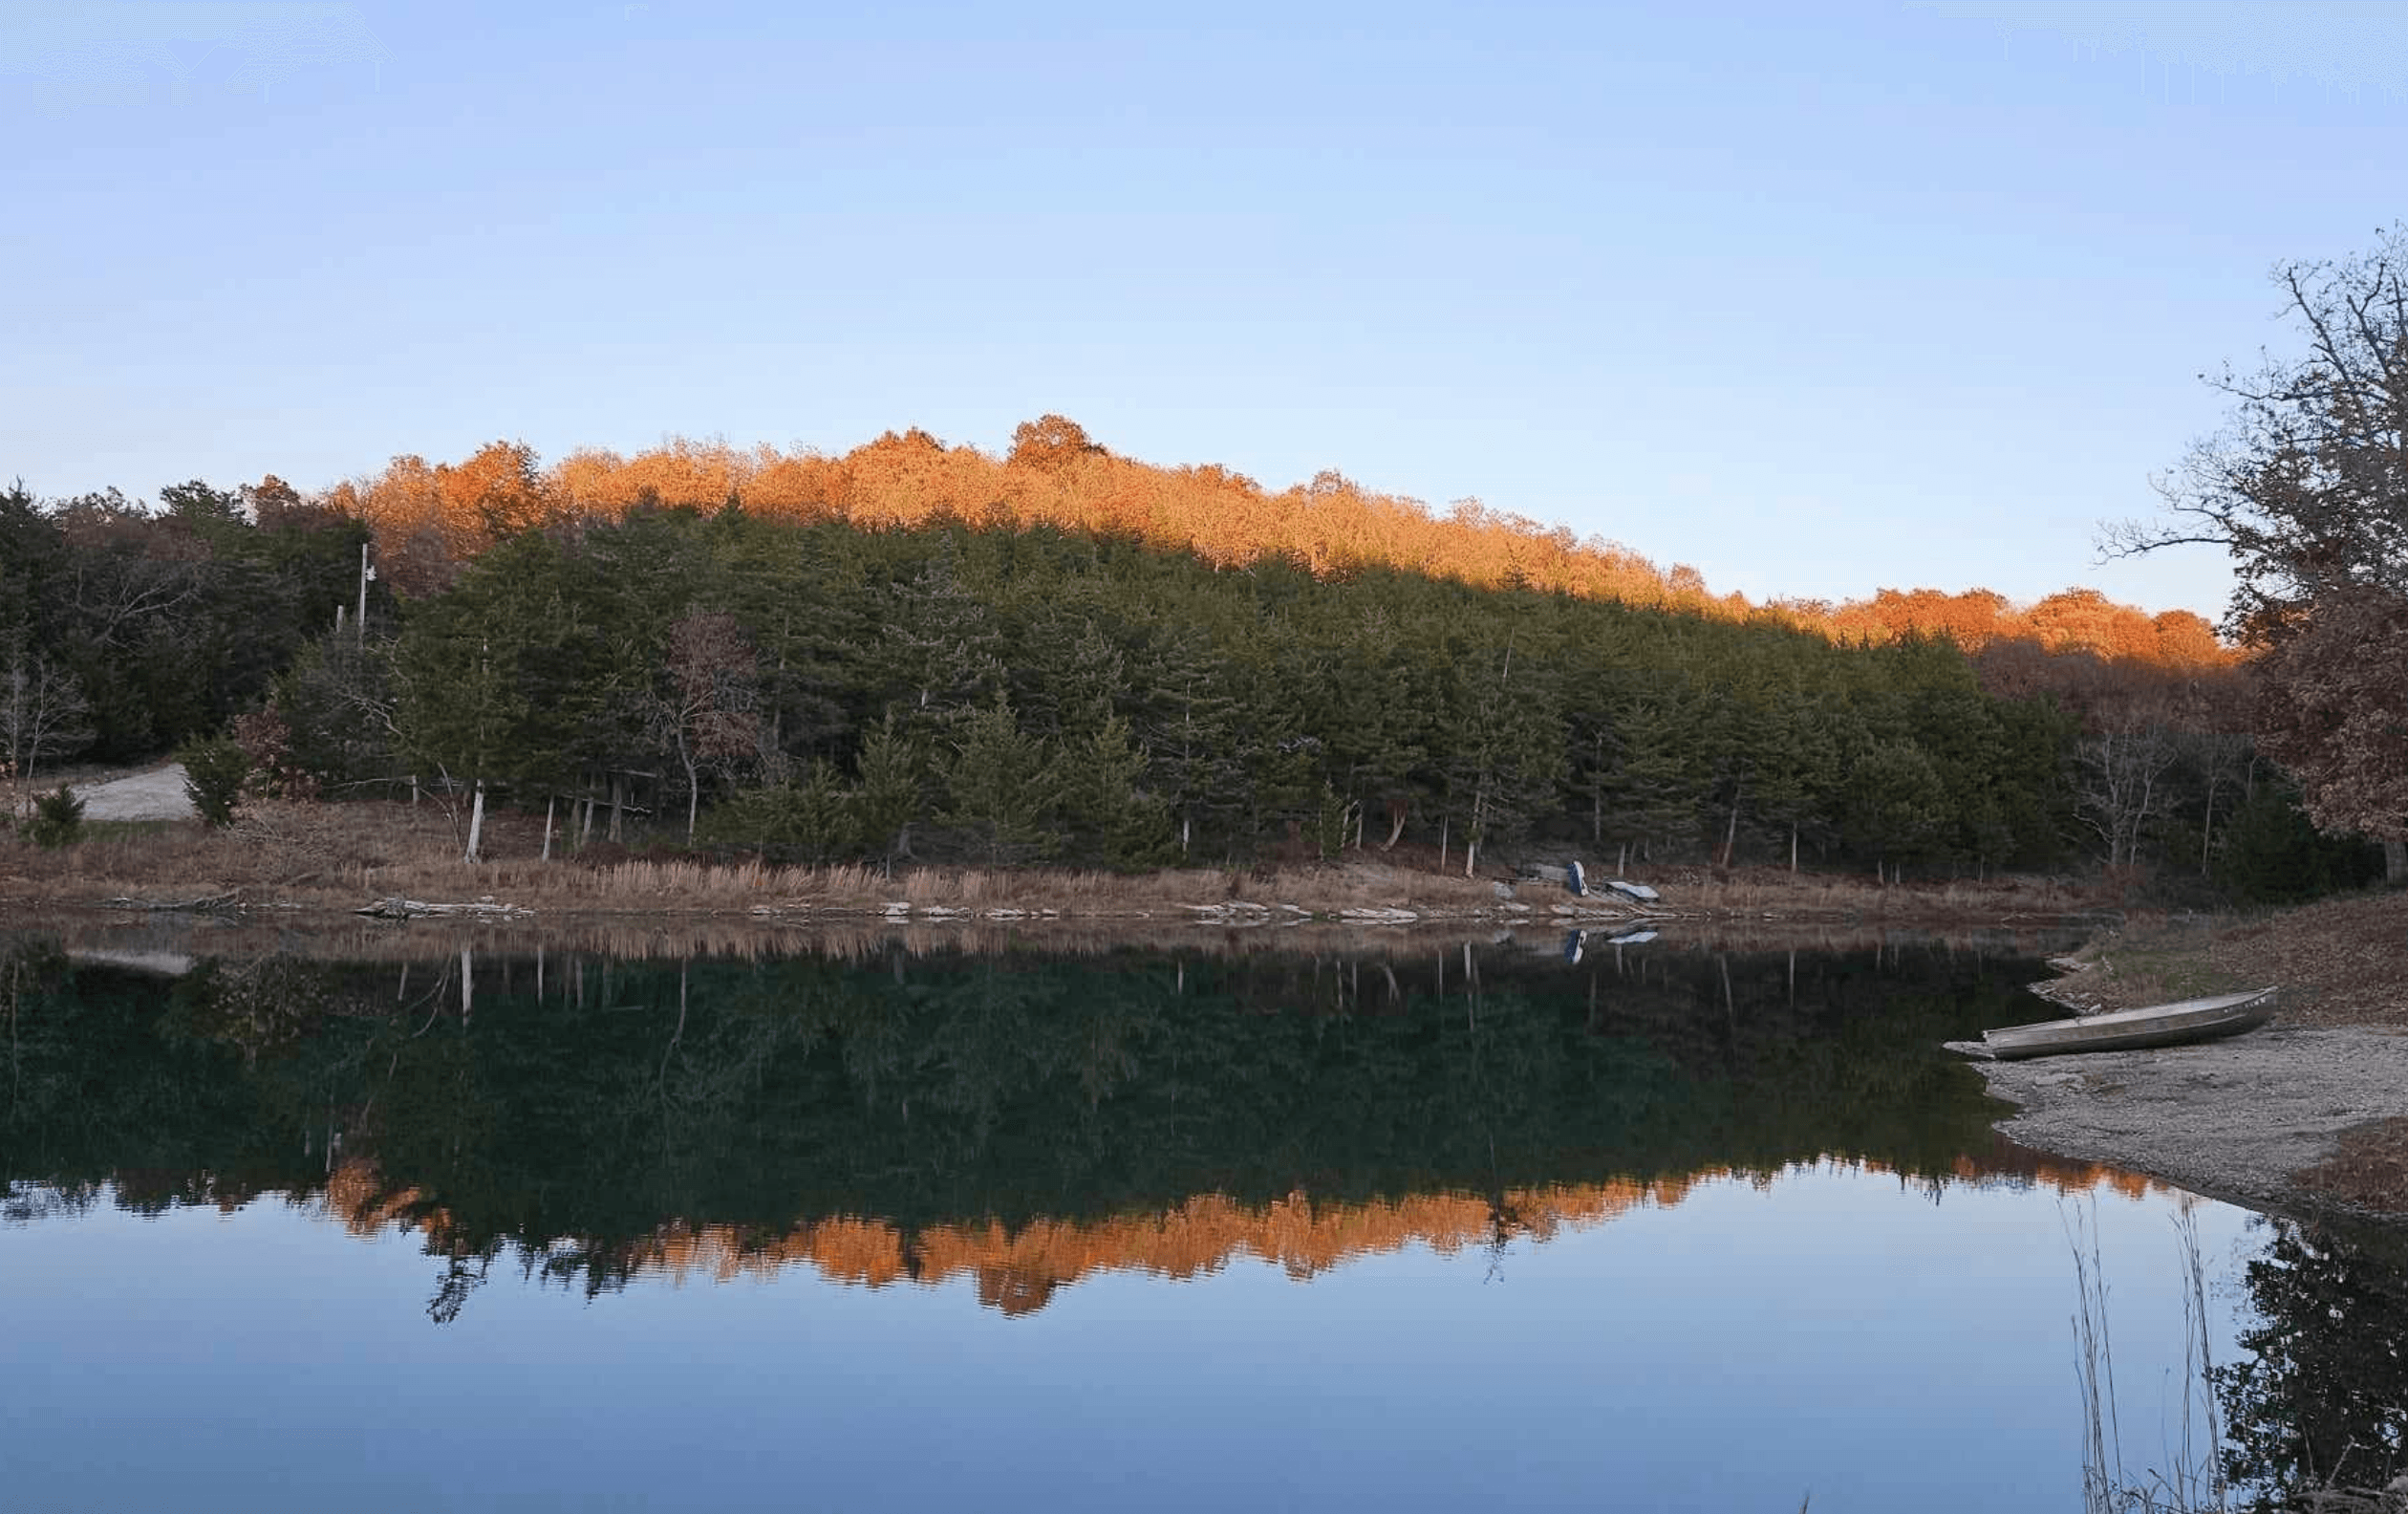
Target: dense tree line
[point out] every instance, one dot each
(1011, 695)
(124, 630)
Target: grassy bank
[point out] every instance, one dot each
(344, 857)
(2339, 961)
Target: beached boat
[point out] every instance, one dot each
(2127, 1030)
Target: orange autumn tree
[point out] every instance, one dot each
(430, 518)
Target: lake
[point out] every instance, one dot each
(1536, 1223)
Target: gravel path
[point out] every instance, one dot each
(2234, 1119)
(154, 795)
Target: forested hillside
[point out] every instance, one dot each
(848, 658)
(432, 518)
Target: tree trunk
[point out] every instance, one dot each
(693, 799)
(618, 786)
(1397, 811)
(1444, 821)
(1793, 849)
(1730, 834)
(476, 822)
(550, 800)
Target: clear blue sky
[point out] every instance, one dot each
(1889, 294)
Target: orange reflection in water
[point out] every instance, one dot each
(1018, 1269)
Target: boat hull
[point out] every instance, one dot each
(2128, 1029)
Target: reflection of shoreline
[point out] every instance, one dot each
(1018, 1271)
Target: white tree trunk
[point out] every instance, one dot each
(476, 823)
(550, 800)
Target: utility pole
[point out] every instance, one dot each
(367, 577)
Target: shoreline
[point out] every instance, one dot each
(2256, 1121)
(404, 860)
(2305, 1117)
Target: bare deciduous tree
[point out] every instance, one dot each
(2306, 486)
(707, 708)
(2117, 774)
(43, 713)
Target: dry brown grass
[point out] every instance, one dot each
(1776, 891)
(342, 856)
(2370, 1169)
(2341, 961)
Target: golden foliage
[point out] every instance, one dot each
(430, 517)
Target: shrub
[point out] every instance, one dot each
(214, 770)
(57, 818)
(267, 740)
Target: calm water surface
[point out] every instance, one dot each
(1655, 1228)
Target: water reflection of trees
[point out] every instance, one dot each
(2316, 1411)
(582, 1114)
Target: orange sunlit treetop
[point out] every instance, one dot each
(428, 516)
